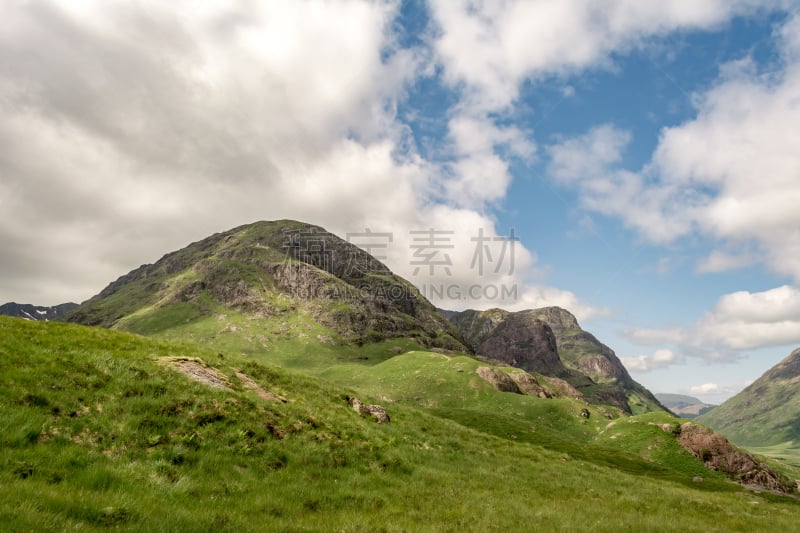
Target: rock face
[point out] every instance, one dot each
(580, 349)
(528, 384)
(498, 379)
(525, 343)
(717, 453)
(273, 271)
(550, 341)
(36, 312)
(375, 411)
(765, 413)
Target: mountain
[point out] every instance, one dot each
(684, 406)
(269, 284)
(36, 312)
(767, 412)
(550, 341)
(302, 295)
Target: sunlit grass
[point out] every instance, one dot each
(96, 434)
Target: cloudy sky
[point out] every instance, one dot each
(636, 162)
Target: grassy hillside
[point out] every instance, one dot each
(100, 430)
(767, 412)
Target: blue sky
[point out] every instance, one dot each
(644, 153)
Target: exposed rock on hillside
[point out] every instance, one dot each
(528, 384)
(717, 453)
(377, 412)
(498, 379)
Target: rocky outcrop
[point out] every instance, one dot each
(550, 341)
(528, 384)
(524, 343)
(498, 379)
(717, 453)
(375, 411)
(563, 388)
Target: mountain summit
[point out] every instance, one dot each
(271, 280)
(550, 341)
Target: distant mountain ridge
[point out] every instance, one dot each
(550, 341)
(36, 312)
(765, 413)
(683, 405)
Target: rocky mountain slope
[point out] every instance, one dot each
(300, 293)
(36, 312)
(283, 279)
(550, 341)
(765, 413)
(684, 406)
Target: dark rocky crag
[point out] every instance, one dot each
(550, 341)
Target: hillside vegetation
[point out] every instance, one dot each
(765, 416)
(107, 429)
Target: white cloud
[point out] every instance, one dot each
(729, 174)
(706, 388)
(491, 47)
(745, 320)
(589, 163)
(158, 124)
(739, 322)
(720, 261)
(649, 336)
(644, 363)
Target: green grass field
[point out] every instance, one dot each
(97, 433)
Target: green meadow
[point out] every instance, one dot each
(98, 432)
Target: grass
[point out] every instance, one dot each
(787, 452)
(96, 434)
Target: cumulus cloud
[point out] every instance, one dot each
(729, 174)
(154, 125)
(644, 363)
(738, 322)
(706, 388)
(721, 261)
(744, 320)
(589, 163)
(650, 336)
(131, 129)
(492, 47)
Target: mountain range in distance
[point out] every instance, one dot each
(36, 312)
(684, 406)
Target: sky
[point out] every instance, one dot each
(635, 162)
